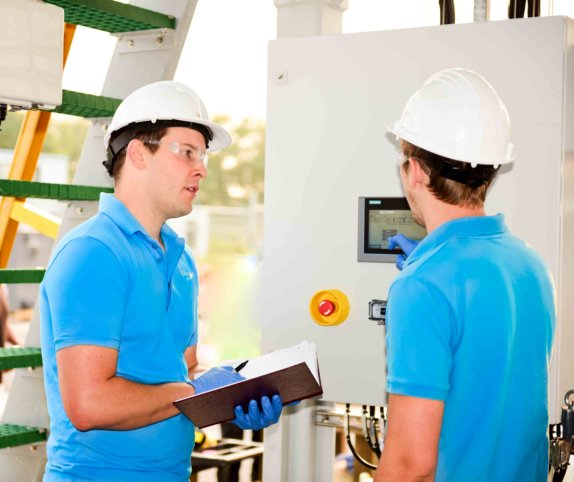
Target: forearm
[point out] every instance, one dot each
(397, 471)
(410, 452)
(120, 404)
(193, 371)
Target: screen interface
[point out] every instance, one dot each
(386, 217)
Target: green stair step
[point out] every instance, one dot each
(111, 16)
(86, 105)
(42, 190)
(14, 276)
(20, 357)
(14, 435)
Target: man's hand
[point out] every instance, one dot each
(215, 378)
(406, 244)
(256, 419)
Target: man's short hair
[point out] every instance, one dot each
(469, 190)
(144, 136)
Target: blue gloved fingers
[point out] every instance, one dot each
(257, 419)
(277, 405)
(240, 418)
(249, 420)
(401, 241)
(215, 378)
(268, 411)
(392, 242)
(271, 410)
(406, 244)
(254, 416)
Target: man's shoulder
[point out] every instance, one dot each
(94, 237)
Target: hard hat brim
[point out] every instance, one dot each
(221, 138)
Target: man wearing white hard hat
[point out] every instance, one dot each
(119, 305)
(471, 316)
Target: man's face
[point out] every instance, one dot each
(175, 171)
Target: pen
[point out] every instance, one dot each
(240, 367)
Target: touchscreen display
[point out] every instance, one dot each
(381, 218)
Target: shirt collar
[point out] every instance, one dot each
(112, 207)
(174, 244)
(463, 227)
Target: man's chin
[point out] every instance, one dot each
(181, 212)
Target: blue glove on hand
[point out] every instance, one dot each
(256, 419)
(406, 244)
(215, 378)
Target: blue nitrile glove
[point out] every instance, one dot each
(256, 419)
(215, 378)
(406, 244)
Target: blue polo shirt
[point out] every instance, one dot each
(470, 322)
(110, 284)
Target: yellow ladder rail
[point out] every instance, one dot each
(43, 222)
(26, 154)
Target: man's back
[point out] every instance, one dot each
(470, 322)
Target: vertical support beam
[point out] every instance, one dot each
(301, 18)
(325, 449)
(290, 445)
(481, 10)
(26, 154)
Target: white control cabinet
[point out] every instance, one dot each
(329, 101)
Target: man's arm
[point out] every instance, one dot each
(94, 397)
(411, 444)
(193, 365)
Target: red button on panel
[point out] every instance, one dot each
(326, 307)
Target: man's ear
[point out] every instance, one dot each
(416, 175)
(135, 154)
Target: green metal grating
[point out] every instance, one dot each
(111, 16)
(42, 190)
(86, 105)
(20, 357)
(19, 276)
(14, 435)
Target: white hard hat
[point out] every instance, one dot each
(166, 101)
(457, 114)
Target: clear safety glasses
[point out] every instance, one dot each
(184, 151)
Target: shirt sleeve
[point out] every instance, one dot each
(419, 333)
(86, 288)
(190, 261)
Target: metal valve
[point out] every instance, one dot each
(561, 436)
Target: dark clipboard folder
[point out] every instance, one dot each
(293, 383)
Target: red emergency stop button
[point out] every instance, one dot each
(326, 307)
(329, 307)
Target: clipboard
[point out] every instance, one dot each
(293, 383)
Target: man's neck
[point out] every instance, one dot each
(438, 213)
(142, 212)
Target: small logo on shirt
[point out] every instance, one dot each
(188, 275)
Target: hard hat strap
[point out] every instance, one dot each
(463, 172)
(461, 175)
